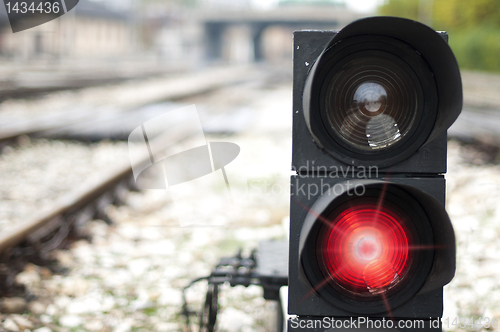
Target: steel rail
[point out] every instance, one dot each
(173, 89)
(90, 191)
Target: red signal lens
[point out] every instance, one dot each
(365, 249)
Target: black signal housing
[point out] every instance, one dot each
(425, 58)
(369, 233)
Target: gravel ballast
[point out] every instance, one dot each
(130, 277)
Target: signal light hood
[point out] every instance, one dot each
(441, 269)
(434, 50)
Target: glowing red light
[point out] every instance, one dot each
(366, 248)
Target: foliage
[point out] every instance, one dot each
(312, 2)
(473, 26)
(477, 48)
(401, 8)
(461, 14)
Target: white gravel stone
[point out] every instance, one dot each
(93, 325)
(28, 278)
(37, 307)
(233, 320)
(70, 321)
(166, 327)
(34, 176)
(142, 301)
(22, 322)
(139, 266)
(62, 301)
(10, 325)
(43, 329)
(171, 297)
(123, 327)
(12, 305)
(472, 202)
(131, 276)
(83, 306)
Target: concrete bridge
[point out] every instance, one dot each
(257, 21)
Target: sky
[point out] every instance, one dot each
(365, 6)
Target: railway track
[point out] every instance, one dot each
(474, 125)
(34, 243)
(27, 81)
(34, 239)
(103, 187)
(47, 228)
(122, 102)
(145, 230)
(87, 203)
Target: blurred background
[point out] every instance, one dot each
(170, 34)
(73, 89)
(190, 33)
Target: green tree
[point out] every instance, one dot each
(473, 26)
(401, 8)
(462, 14)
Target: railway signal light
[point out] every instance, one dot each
(370, 239)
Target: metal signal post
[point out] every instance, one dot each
(370, 240)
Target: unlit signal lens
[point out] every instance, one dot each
(371, 103)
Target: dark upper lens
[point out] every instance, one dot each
(371, 103)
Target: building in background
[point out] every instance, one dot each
(225, 4)
(90, 31)
(173, 33)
